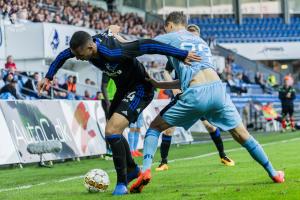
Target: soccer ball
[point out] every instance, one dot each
(96, 180)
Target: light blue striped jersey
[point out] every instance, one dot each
(183, 39)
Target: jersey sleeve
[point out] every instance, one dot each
(58, 62)
(164, 38)
(140, 47)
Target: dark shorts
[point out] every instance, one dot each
(172, 103)
(132, 102)
(287, 109)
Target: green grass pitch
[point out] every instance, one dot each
(201, 176)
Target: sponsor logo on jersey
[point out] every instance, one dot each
(113, 74)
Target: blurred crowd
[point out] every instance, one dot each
(75, 12)
(15, 84)
(237, 78)
(81, 13)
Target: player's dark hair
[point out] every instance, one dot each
(177, 18)
(79, 39)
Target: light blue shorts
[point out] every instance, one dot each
(205, 101)
(139, 122)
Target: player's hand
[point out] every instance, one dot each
(43, 85)
(176, 91)
(288, 95)
(114, 29)
(192, 57)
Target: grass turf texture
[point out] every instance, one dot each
(200, 178)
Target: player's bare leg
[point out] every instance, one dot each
(242, 136)
(150, 145)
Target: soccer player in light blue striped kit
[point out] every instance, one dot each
(204, 96)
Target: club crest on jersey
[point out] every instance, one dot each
(111, 66)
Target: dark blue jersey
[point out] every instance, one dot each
(118, 60)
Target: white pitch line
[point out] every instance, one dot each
(112, 170)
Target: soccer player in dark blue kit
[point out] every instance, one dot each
(134, 93)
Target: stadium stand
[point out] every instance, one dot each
(78, 13)
(269, 29)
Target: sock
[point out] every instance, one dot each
(150, 146)
(136, 140)
(258, 154)
(283, 123)
(216, 137)
(165, 147)
(119, 157)
(131, 140)
(292, 122)
(129, 160)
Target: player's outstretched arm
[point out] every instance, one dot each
(58, 62)
(149, 46)
(115, 30)
(146, 46)
(54, 67)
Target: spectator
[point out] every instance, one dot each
(272, 81)
(8, 77)
(239, 80)
(30, 87)
(259, 79)
(234, 87)
(87, 95)
(70, 85)
(10, 65)
(9, 90)
(245, 78)
(230, 59)
(270, 113)
(57, 90)
(87, 81)
(99, 96)
(227, 70)
(2, 83)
